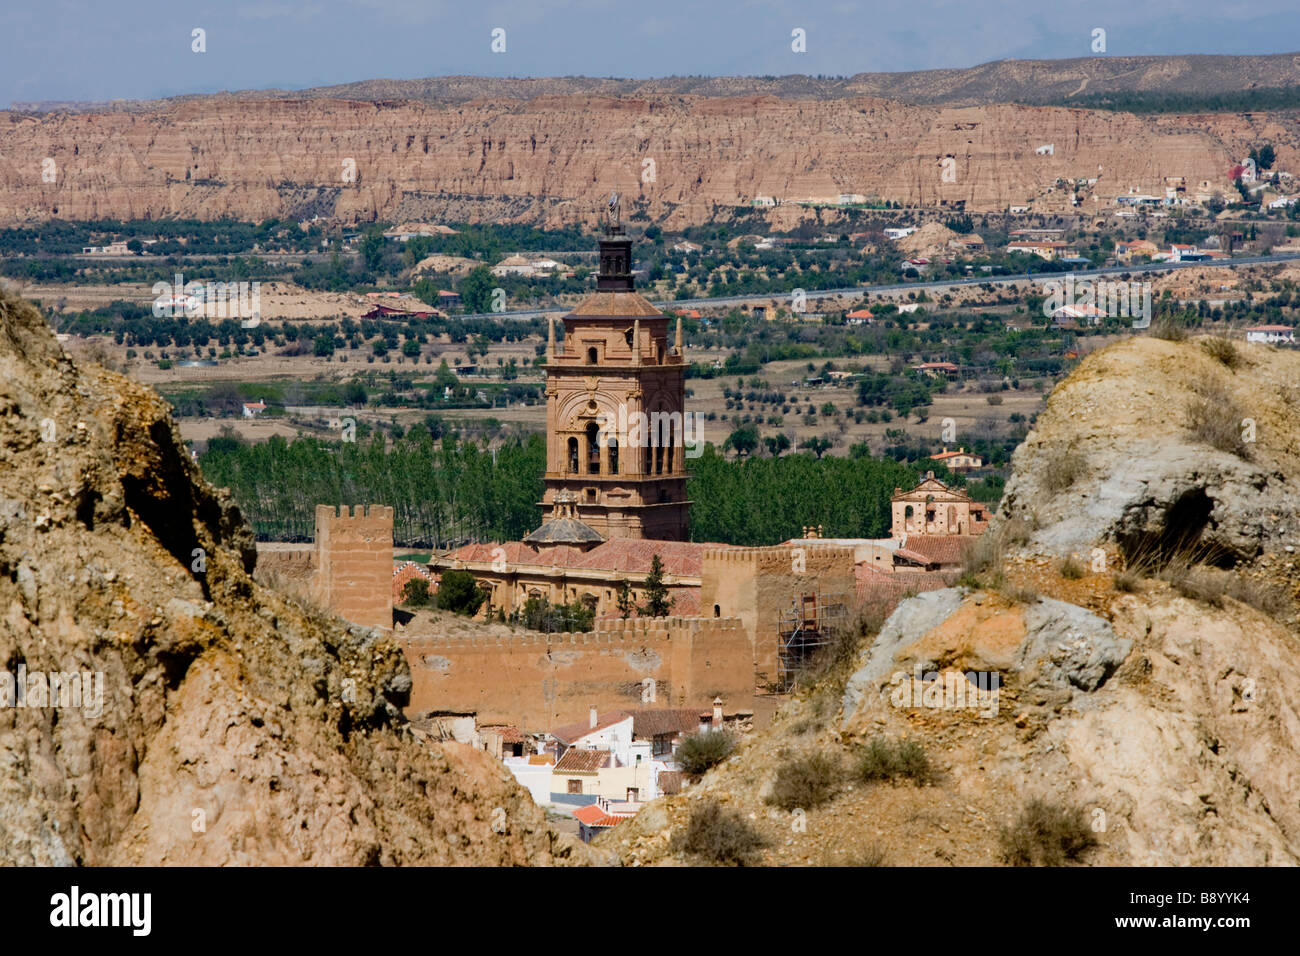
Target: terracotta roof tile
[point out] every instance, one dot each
(948, 549)
(630, 304)
(582, 761)
(634, 556)
(593, 816)
(664, 720)
(568, 733)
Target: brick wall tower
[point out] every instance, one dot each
(354, 576)
(616, 361)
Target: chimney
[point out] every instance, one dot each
(717, 713)
(593, 718)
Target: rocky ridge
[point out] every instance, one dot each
(231, 725)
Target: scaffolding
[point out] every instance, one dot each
(810, 623)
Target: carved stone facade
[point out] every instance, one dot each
(932, 508)
(615, 394)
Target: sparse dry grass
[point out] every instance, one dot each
(806, 781)
(1071, 570)
(1168, 329)
(1216, 420)
(1222, 349)
(1047, 834)
(883, 760)
(719, 836)
(1063, 470)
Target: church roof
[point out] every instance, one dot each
(632, 305)
(564, 531)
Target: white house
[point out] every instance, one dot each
(253, 409)
(1271, 334)
(899, 232)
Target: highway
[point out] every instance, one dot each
(814, 295)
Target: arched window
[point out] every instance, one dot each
(613, 456)
(591, 355)
(627, 337)
(573, 456)
(717, 611)
(593, 449)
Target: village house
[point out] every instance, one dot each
(946, 369)
(1044, 250)
(1136, 249)
(596, 818)
(1072, 316)
(253, 409)
(959, 460)
(519, 265)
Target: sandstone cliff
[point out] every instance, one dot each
(231, 726)
(678, 159)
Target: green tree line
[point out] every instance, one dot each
(448, 492)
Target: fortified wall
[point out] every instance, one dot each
(536, 681)
(354, 563)
(763, 587)
(347, 569)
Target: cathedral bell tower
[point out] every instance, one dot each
(615, 396)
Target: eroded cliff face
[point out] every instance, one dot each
(221, 723)
(678, 159)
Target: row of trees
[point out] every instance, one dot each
(442, 492)
(452, 491)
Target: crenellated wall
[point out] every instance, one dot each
(354, 560)
(537, 681)
(756, 585)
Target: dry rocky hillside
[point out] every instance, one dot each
(552, 159)
(235, 726)
(1151, 704)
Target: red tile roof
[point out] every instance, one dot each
(947, 549)
(664, 720)
(887, 590)
(582, 761)
(579, 729)
(593, 816)
(516, 552)
(634, 556)
(509, 735)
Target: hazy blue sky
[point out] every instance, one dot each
(77, 50)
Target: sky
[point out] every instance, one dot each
(142, 49)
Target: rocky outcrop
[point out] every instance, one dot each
(1142, 477)
(680, 159)
(212, 720)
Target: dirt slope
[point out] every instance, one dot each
(235, 727)
(1167, 715)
